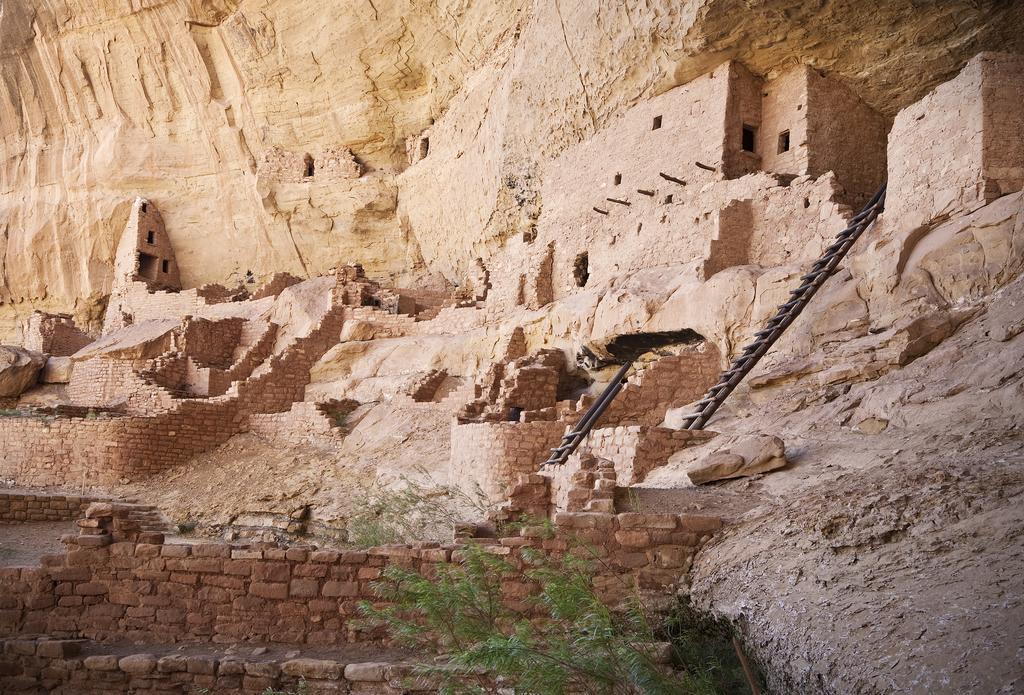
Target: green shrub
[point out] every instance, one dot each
(563, 640)
(414, 511)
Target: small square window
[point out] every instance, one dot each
(657, 123)
(150, 238)
(784, 141)
(618, 179)
(668, 199)
(165, 266)
(749, 133)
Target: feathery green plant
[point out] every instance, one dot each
(413, 511)
(560, 639)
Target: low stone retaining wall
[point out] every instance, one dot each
(637, 450)
(24, 507)
(116, 582)
(75, 667)
(99, 451)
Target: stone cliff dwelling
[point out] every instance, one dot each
(145, 253)
(734, 342)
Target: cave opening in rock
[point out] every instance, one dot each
(631, 345)
(581, 269)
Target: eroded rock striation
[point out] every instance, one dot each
(279, 257)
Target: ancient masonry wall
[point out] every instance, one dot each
(637, 450)
(1003, 123)
(140, 589)
(304, 424)
(844, 136)
(144, 253)
(101, 450)
(28, 507)
(323, 164)
(135, 302)
(102, 383)
(281, 380)
(54, 334)
(668, 383)
(959, 147)
(492, 455)
(623, 162)
(782, 139)
(730, 246)
(67, 667)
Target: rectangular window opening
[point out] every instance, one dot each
(147, 266)
(668, 199)
(618, 179)
(749, 133)
(150, 238)
(784, 141)
(657, 123)
(144, 206)
(165, 266)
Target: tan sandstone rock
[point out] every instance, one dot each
(745, 457)
(19, 370)
(57, 370)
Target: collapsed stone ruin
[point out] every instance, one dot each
(669, 235)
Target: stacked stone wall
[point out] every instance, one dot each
(282, 379)
(29, 507)
(118, 584)
(73, 667)
(731, 244)
(491, 455)
(637, 450)
(103, 382)
(959, 147)
(54, 334)
(670, 382)
(41, 450)
(304, 424)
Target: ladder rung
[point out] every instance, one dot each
(742, 365)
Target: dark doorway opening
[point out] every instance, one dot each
(581, 269)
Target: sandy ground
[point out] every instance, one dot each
(21, 545)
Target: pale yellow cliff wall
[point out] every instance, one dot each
(183, 101)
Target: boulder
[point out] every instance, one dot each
(19, 370)
(57, 370)
(743, 457)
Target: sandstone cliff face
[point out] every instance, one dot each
(466, 141)
(210, 109)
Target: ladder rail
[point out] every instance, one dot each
(824, 268)
(571, 440)
(786, 314)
